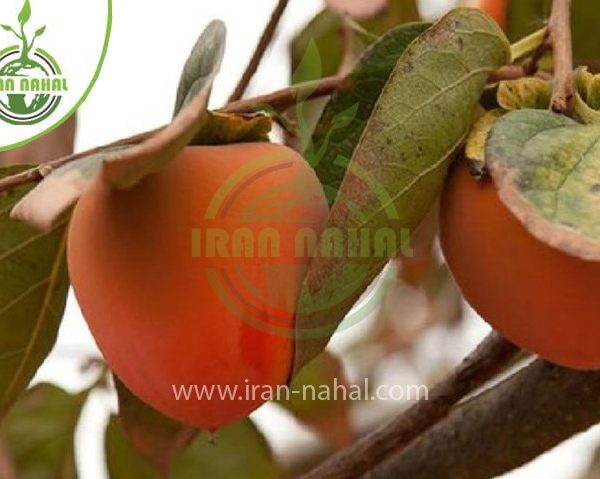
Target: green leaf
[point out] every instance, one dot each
(547, 171)
(206, 57)
(156, 438)
(238, 450)
(346, 115)
(8, 28)
(397, 170)
(40, 31)
(39, 433)
(529, 92)
(33, 292)
(25, 13)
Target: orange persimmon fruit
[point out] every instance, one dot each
(497, 9)
(189, 279)
(542, 299)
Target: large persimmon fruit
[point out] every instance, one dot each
(189, 280)
(538, 297)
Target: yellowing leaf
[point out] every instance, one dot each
(529, 92)
(225, 128)
(586, 102)
(475, 147)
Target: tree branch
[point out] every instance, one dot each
(490, 357)
(283, 99)
(562, 45)
(278, 101)
(261, 48)
(502, 428)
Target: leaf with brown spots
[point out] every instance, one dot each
(397, 170)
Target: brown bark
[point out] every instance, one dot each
(502, 428)
(491, 357)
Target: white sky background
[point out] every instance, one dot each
(150, 42)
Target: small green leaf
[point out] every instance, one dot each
(156, 438)
(40, 31)
(398, 166)
(529, 92)
(39, 433)
(25, 13)
(33, 292)
(8, 28)
(475, 146)
(206, 57)
(547, 172)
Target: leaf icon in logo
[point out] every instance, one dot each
(8, 28)
(40, 31)
(25, 13)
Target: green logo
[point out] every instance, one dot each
(31, 81)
